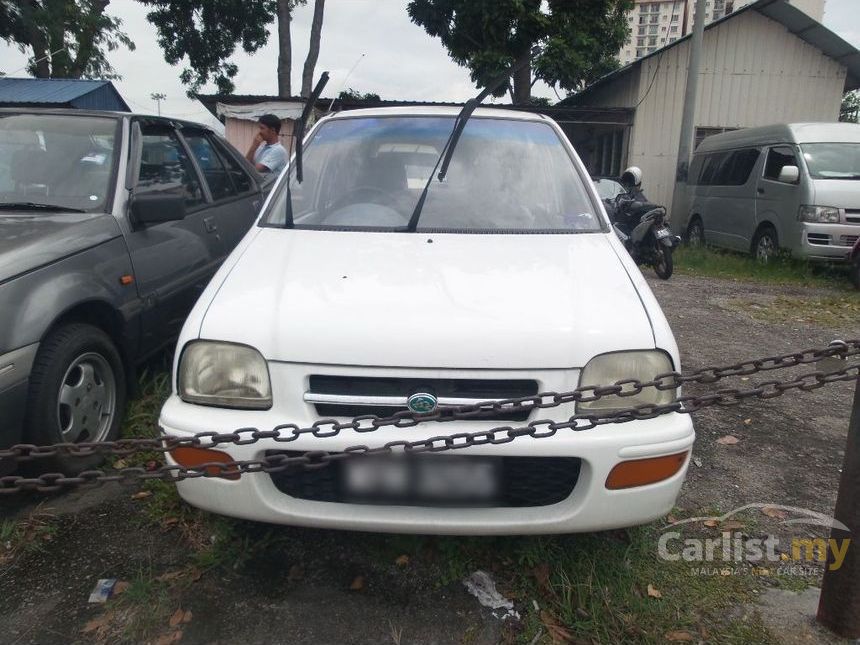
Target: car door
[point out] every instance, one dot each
(776, 201)
(236, 196)
(173, 261)
(732, 197)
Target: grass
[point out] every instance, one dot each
(782, 270)
(830, 311)
(27, 535)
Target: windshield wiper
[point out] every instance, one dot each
(460, 125)
(35, 206)
(299, 133)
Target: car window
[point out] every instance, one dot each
(735, 168)
(239, 176)
(505, 175)
(832, 160)
(61, 160)
(777, 159)
(710, 168)
(608, 188)
(165, 168)
(219, 182)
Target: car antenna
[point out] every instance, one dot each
(459, 125)
(299, 135)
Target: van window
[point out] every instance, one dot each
(736, 168)
(777, 159)
(710, 168)
(832, 160)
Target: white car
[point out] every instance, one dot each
(349, 298)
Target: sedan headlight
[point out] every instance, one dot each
(819, 214)
(224, 375)
(607, 369)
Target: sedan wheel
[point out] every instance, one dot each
(86, 404)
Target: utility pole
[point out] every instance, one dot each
(158, 97)
(688, 121)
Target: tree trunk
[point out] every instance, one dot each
(86, 39)
(285, 57)
(523, 81)
(313, 49)
(40, 67)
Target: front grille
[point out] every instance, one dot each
(852, 216)
(370, 386)
(853, 220)
(818, 238)
(523, 482)
(848, 240)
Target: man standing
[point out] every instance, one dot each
(266, 152)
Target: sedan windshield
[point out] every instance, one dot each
(832, 160)
(506, 175)
(52, 162)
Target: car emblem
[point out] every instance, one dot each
(422, 402)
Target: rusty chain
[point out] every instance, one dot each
(537, 429)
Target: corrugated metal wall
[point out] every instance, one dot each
(754, 72)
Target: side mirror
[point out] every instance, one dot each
(155, 208)
(789, 175)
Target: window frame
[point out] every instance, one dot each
(224, 149)
(202, 132)
(794, 152)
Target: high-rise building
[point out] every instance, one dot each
(655, 23)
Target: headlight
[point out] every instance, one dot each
(607, 369)
(821, 214)
(224, 375)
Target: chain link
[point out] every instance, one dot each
(537, 429)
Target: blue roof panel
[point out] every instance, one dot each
(59, 91)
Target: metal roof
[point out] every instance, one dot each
(60, 91)
(796, 21)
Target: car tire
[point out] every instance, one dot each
(765, 244)
(696, 233)
(663, 265)
(77, 393)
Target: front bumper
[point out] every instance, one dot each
(15, 369)
(828, 242)
(590, 507)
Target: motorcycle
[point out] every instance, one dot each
(643, 229)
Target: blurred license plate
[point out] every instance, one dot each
(426, 479)
(663, 233)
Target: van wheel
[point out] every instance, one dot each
(696, 233)
(765, 244)
(77, 394)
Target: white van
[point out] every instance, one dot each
(792, 186)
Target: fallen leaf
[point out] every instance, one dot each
(142, 494)
(170, 575)
(176, 618)
(541, 574)
(151, 465)
(731, 525)
(770, 511)
(728, 440)
(195, 574)
(747, 422)
(679, 636)
(558, 633)
(357, 583)
(402, 560)
(188, 616)
(653, 592)
(170, 521)
(119, 587)
(710, 523)
(671, 518)
(119, 464)
(95, 624)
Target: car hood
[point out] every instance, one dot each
(29, 240)
(421, 300)
(839, 193)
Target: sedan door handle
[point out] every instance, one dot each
(209, 224)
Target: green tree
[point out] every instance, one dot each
(850, 110)
(65, 38)
(579, 39)
(350, 94)
(205, 34)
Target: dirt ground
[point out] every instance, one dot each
(789, 452)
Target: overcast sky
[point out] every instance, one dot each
(401, 61)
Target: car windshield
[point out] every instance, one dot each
(56, 161)
(832, 160)
(506, 175)
(608, 188)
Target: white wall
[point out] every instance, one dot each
(754, 72)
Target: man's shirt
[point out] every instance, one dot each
(273, 156)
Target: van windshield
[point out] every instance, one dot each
(832, 160)
(367, 173)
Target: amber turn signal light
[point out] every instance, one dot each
(195, 457)
(639, 472)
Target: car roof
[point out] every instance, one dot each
(782, 133)
(432, 110)
(104, 114)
